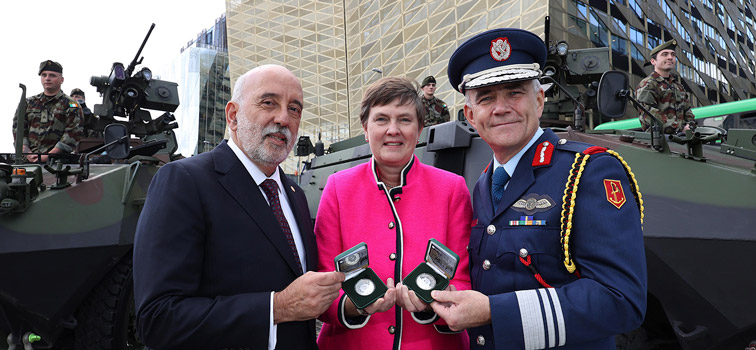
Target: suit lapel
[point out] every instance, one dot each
(242, 188)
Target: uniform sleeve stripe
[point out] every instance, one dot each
(533, 331)
(559, 316)
(549, 317)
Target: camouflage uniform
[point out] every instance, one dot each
(436, 111)
(667, 99)
(52, 122)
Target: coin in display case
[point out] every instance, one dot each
(352, 259)
(364, 287)
(426, 281)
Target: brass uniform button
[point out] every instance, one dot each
(486, 264)
(391, 225)
(491, 229)
(391, 330)
(392, 256)
(481, 340)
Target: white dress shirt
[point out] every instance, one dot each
(258, 176)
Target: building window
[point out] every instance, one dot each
(721, 13)
(636, 35)
(633, 4)
(636, 53)
(619, 44)
(653, 41)
(581, 24)
(598, 31)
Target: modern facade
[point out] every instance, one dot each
(202, 73)
(339, 48)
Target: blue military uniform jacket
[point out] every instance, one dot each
(605, 242)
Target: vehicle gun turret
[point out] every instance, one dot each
(129, 96)
(65, 246)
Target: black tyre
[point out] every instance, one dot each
(106, 319)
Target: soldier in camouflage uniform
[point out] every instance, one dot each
(53, 120)
(437, 112)
(663, 94)
(89, 121)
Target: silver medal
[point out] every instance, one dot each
(364, 287)
(426, 281)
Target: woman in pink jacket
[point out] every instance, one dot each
(395, 204)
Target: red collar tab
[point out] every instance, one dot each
(594, 150)
(543, 154)
(486, 169)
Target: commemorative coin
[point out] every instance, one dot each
(364, 287)
(425, 281)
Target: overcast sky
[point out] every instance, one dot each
(86, 37)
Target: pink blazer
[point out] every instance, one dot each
(354, 208)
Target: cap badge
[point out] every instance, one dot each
(500, 49)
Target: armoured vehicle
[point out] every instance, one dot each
(67, 228)
(699, 198)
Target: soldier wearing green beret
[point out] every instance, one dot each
(53, 120)
(436, 110)
(663, 94)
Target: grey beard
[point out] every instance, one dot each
(253, 138)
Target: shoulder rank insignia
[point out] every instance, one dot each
(614, 192)
(533, 203)
(543, 153)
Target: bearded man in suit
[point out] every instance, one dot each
(224, 252)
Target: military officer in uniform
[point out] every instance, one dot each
(556, 248)
(437, 111)
(662, 93)
(53, 120)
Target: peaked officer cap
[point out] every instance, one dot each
(496, 56)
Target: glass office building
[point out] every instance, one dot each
(202, 73)
(339, 48)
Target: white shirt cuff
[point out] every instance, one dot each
(273, 327)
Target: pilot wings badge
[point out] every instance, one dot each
(500, 49)
(534, 203)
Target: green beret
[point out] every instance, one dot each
(429, 79)
(51, 66)
(669, 45)
(77, 91)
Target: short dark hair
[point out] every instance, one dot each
(386, 90)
